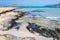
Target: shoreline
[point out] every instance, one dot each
(22, 32)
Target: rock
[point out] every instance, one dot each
(12, 37)
(6, 37)
(6, 23)
(3, 38)
(7, 20)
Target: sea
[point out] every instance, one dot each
(49, 12)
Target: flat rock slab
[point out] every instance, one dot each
(3, 9)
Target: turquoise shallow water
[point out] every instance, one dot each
(38, 6)
(43, 11)
(46, 12)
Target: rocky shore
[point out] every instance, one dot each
(8, 22)
(8, 17)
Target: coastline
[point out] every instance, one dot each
(23, 32)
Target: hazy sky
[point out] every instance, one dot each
(28, 2)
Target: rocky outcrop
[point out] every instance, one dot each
(3, 10)
(12, 37)
(6, 24)
(7, 19)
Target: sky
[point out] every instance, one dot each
(28, 2)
